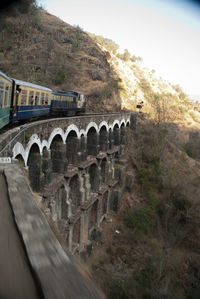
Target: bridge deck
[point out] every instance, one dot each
(16, 279)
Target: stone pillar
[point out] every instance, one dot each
(47, 166)
(82, 189)
(87, 186)
(84, 229)
(82, 149)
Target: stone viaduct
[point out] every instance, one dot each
(77, 166)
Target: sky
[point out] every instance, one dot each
(165, 33)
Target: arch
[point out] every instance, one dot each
(116, 122)
(92, 142)
(122, 123)
(58, 154)
(103, 138)
(56, 131)
(70, 129)
(75, 194)
(21, 160)
(103, 124)
(34, 167)
(116, 134)
(92, 125)
(18, 149)
(72, 147)
(110, 138)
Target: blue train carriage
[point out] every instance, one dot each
(30, 100)
(67, 103)
(5, 99)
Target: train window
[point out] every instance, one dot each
(23, 97)
(42, 98)
(37, 98)
(1, 93)
(6, 96)
(46, 99)
(31, 97)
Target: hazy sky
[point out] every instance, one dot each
(165, 33)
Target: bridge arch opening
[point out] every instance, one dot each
(58, 154)
(103, 139)
(75, 194)
(34, 164)
(110, 138)
(122, 134)
(116, 134)
(92, 142)
(94, 177)
(20, 160)
(72, 147)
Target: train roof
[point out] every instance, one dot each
(19, 82)
(6, 77)
(65, 92)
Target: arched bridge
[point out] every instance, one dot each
(74, 164)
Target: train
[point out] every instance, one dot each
(20, 100)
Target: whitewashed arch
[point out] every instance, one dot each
(56, 131)
(82, 132)
(45, 144)
(103, 123)
(34, 139)
(114, 123)
(19, 150)
(72, 128)
(90, 125)
(122, 122)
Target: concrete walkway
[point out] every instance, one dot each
(57, 272)
(16, 280)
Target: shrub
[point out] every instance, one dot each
(59, 77)
(141, 220)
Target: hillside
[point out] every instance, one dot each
(40, 48)
(150, 248)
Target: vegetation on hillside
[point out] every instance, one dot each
(157, 252)
(40, 48)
